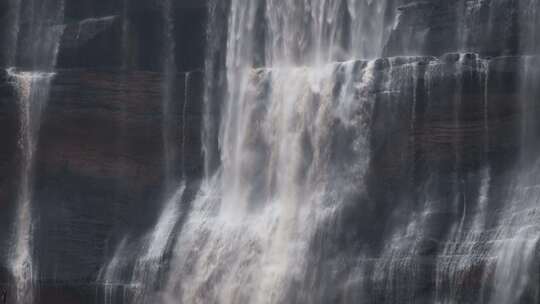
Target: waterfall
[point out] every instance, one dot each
(216, 37)
(248, 235)
(342, 164)
(139, 275)
(298, 111)
(518, 236)
(146, 273)
(33, 93)
(187, 77)
(38, 44)
(111, 274)
(284, 171)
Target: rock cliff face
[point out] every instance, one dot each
(451, 116)
(118, 33)
(487, 27)
(100, 164)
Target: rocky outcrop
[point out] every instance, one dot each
(119, 33)
(488, 27)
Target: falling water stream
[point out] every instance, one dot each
(284, 172)
(143, 276)
(36, 57)
(289, 213)
(33, 93)
(295, 152)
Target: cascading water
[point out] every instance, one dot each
(33, 93)
(37, 29)
(333, 173)
(295, 153)
(285, 173)
(291, 213)
(136, 278)
(139, 276)
(249, 235)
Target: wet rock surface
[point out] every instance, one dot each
(488, 27)
(100, 164)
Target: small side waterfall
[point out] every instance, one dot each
(33, 93)
(149, 267)
(139, 276)
(38, 43)
(183, 152)
(519, 232)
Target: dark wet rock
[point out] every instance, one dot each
(134, 40)
(92, 43)
(489, 27)
(99, 165)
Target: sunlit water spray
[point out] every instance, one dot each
(249, 235)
